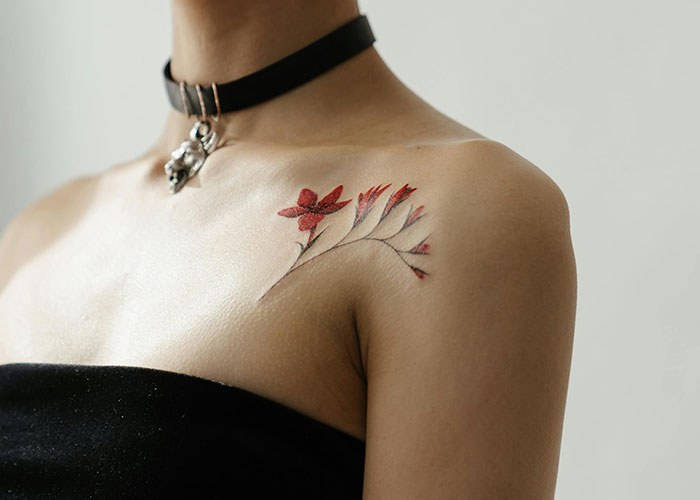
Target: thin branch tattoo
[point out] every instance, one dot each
(311, 212)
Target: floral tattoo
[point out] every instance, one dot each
(310, 212)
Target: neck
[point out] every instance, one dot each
(223, 40)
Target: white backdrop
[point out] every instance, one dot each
(601, 94)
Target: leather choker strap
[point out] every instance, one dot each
(275, 79)
(285, 74)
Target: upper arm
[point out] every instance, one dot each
(467, 369)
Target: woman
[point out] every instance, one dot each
(345, 258)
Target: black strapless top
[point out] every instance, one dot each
(102, 432)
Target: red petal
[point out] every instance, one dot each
(397, 198)
(309, 220)
(414, 216)
(405, 192)
(419, 272)
(361, 201)
(421, 248)
(398, 194)
(332, 208)
(378, 191)
(292, 211)
(392, 201)
(307, 198)
(331, 197)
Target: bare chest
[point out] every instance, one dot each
(181, 290)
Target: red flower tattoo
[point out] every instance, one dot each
(311, 212)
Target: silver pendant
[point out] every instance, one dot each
(189, 157)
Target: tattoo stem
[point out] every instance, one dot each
(338, 245)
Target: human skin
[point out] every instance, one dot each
(456, 380)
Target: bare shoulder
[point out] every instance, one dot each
(41, 221)
(467, 367)
(489, 197)
(483, 176)
(469, 199)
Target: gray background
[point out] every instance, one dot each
(602, 95)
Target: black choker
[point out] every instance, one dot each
(279, 77)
